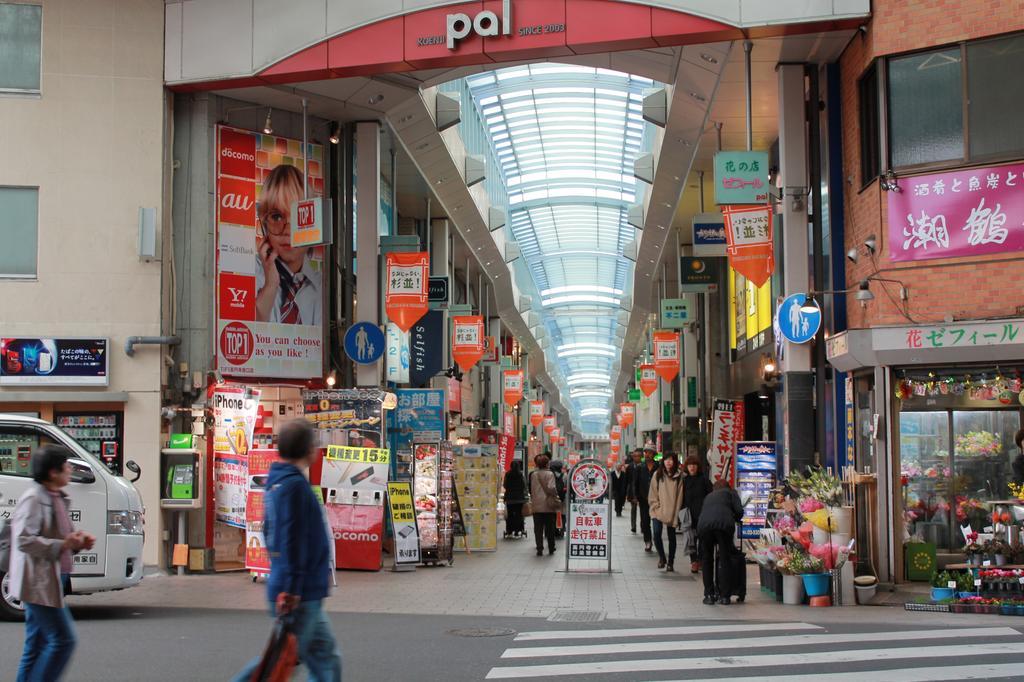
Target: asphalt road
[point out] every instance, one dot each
(154, 643)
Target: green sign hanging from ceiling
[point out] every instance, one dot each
(635, 395)
(741, 177)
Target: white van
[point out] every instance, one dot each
(105, 505)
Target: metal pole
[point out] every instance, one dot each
(394, 192)
(817, 240)
(747, 47)
(305, 149)
(182, 537)
(700, 178)
(430, 241)
(718, 134)
(611, 519)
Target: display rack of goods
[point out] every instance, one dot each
(476, 479)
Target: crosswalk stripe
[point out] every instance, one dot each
(790, 660)
(661, 632)
(756, 642)
(975, 671)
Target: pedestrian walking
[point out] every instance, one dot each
(640, 480)
(300, 555)
(666, 499)
(515, 497)
(544, 498)
(696, 486)
(619, 482)
(636, 458)
(716, 529)
(43, 540)
(558, 469)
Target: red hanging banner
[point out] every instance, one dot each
(549, 424)
(536, 412)
(648, 380)
(748, 234)
(620, 419)
(512, 386)
(666, 354)
(467, 340)
(556, 433)
(628, 413)
(405, 289)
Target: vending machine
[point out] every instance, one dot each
(101, 433)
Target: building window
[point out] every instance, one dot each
(994, 104)
(870, 143)
(19, 231)
(20, 47)
(926, 120)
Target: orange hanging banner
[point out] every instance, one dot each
(666, 354)
(512, 386)
(405, 289)
(467, 340)
(620, 419)
(549, 424)
(536, 412)
(628, 413)
(648, 380)
(556, 433)
(748, 235)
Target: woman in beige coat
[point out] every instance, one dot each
(666, 499)
(545, 502)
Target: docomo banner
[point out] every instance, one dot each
(467, 340)
(727, 430)
(406, 291)
(270, 293)
(962, 213)
(748, 232)
(648, 380)
(536, 412)
(666, 354)
(512, 386)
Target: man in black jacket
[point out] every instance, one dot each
(636, 456)
(639, 486)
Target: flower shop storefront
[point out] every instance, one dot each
(948, 403)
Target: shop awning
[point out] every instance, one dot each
(62, 397)
(990, 341)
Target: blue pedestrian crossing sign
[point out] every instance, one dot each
(797, 323)
(364, 343)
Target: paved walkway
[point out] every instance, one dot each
(514, 582)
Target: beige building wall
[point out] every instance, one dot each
(92, 143)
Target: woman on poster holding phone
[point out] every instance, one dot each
(287, 285)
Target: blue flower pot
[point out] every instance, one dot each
(817, 584)
(940, 593)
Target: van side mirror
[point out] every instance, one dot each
(131, 466)
(81, 472)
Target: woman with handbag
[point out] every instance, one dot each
(666, 499)
(544, 503)
(696, 487)
(515, 497)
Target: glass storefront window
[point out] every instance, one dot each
(982, 451)
(924, 453)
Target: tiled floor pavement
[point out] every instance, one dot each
(512, 581)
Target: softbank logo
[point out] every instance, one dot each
(483, 24)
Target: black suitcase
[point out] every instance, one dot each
(735, 565)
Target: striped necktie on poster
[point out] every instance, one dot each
(290, 308)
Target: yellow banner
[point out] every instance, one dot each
(400, 501)
(344, 453)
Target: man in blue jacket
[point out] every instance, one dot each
(297, 537)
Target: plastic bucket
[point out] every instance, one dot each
(940, 593)
(792, 590)
(816, 584)
(865, 593)
(842, 519)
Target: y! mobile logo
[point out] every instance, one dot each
(238, 295)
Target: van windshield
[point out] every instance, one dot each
(19, 442)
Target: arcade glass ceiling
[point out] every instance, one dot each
(566, 138)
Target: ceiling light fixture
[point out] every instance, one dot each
(268, 128)
(708, 58)
(376, 99)
(699, 97)
(335, 134)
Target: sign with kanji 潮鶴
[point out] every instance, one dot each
(648, 379)
(467, 340)
(748, 230)
(666, 354)
(512, 386)
(406, 288)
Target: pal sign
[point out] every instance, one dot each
(484, 24)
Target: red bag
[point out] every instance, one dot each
(280, 656)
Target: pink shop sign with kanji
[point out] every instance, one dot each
(961, 213)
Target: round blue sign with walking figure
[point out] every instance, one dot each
(797, 323)
(364, 343)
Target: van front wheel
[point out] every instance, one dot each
(10, 608)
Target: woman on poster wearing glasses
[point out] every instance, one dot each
(287, 285)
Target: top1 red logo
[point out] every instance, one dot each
(237, 154)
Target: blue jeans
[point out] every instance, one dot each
(659, 545)
(49, 642)
(317, 649)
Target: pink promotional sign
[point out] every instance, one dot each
(962, 213)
